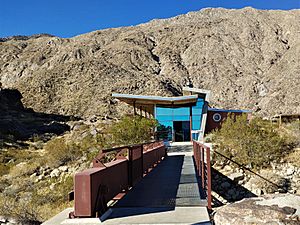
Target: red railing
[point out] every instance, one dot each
(95, 187)
(202, 162)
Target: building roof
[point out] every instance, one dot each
(206, 94)
(229, 110)
(152, 100)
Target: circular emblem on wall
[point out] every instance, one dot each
(217, 117)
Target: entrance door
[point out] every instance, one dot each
(182, 130)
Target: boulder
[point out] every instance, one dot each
(269, 209)
(236, 176)
(2, 220)
(290, 171)
(63, 168)
(268, 183)
(55, 173)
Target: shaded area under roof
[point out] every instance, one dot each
(152, 100)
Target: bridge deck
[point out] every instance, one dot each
(172, 183)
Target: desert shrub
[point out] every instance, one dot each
(254, 144)
(24, 169)
(32, 205)
(4, 183)
(4, 169)
(132, 130)
(294, 157)
(58, 195)
(20, 209)
(52, 201)
(16, 156)
(19, 185)
(91, 143)
(293, 131)
(59, 152)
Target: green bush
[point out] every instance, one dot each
(254, 144)
(59, 152)
(132, 130)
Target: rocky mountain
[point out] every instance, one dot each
(249, 58)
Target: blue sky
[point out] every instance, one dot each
(67, 18)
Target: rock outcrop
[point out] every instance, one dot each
(270, 209)
(249, 59)
(231, 184)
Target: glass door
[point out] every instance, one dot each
(181, 131)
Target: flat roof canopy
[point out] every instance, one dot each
(229, 110)
(152, 100)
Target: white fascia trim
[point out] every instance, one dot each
(200, 91)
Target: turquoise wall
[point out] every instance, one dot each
(166, 116)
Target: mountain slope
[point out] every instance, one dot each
(249, 58)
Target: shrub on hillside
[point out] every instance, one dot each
(24, 169)
(4, 169)
(132, 130)
(20, 209)
(255, 143)
(59, 152)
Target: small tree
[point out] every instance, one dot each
(255, 143)
(132, 130)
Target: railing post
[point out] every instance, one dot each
(130, 182)
(208, 178)
(142, 160)
(202, 168)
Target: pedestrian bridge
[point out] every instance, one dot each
(146, 184)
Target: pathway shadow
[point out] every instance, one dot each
(227, 189)
(155, 193)
(18, 123)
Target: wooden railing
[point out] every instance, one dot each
(203, 168)
(95, 187)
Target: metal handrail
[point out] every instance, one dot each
(245, 168)
(203, 167)
(95, 187)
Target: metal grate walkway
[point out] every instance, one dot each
(172, 183)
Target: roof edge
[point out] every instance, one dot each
(229, 110)
(206, 92)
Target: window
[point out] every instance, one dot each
(217, 117)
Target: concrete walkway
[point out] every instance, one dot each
(169, 194)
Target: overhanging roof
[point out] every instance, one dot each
(229, 110)
(200, 92)
(152, 100)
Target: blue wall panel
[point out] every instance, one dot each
(166, 116)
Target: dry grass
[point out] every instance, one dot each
(24, 169)
(294, 157)
(59, 152)
(31, 202)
